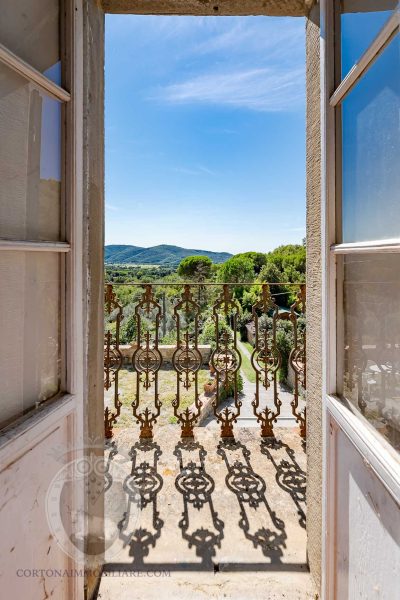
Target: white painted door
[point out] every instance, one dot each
(41, 346)
(361, 169)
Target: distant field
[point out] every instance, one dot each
(138, 265)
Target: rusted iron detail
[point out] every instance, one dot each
(226, 359)
(187, 360)
(266, 361)
(112, 358)
(225, 362)
(147, 360)
(297, 358)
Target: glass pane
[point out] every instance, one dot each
(32, 31)
(371, 152)
(360, 23)
(372, 340)
(30, 330)
(30, 161)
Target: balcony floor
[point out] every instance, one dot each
(216, 520)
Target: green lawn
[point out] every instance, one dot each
(167, 391)
(248, 346)
(247, 367)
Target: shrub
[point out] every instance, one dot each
(128, 330)
(229, 390)
(169, 339)
(244, 320)
(207, 336)
(284, 342)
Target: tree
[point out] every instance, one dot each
(284, 264)
(259, 260)
(291, 255)
(271, 274)
(237, 269)
(198, 268)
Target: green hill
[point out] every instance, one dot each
(156, 255)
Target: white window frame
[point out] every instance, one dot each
(377, 453)
(68, 406)
(70, 249)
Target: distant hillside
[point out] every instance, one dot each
(157, 255)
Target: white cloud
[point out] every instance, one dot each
(185, 171)
(197, 170)
(255, 37)
(248, 62)
(263, 89)
(206, 170)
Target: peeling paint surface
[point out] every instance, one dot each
(30, 557)
(368, 527)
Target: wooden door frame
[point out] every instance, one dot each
(93, 174)
(68, 409)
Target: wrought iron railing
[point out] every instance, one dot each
(188, 303)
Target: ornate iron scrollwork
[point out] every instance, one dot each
(266, 360)
(112, 358)
(226, 360)
(297, 358)
(147, 360)
(187, 360)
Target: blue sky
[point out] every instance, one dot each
(205, 132)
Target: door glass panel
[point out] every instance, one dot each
(360, 23)
(371, 352)
(30, 161)
(30, 330)
(371, 152)
(32, 31)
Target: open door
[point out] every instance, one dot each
(41, 305)
(361, 171)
